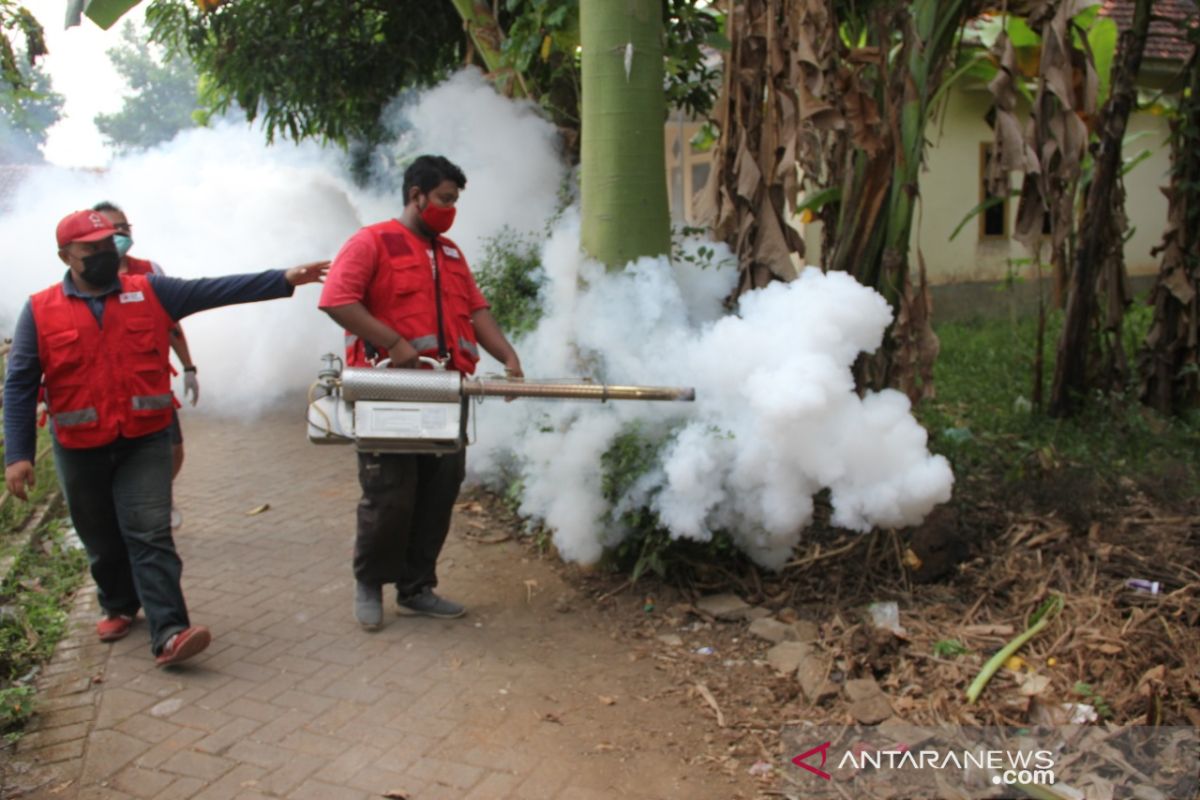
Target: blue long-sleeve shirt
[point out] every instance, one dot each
(178, 297)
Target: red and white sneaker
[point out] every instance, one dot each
(112, 627)
(183, 645)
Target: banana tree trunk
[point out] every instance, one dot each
(1169, 360)
(488, 40)
(623, 181)
(1098, 243)
(881, 188)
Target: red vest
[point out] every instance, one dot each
(138, 266)
(403, 295)
(106, 381)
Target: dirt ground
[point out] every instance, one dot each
(753, 651)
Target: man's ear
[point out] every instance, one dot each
(62, 256)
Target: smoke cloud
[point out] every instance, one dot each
(776, 418)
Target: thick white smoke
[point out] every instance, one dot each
(775, 419)
(218, 200)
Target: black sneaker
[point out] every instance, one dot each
(428, 604)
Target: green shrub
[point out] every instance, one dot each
(510, 275)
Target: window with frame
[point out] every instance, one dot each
(993, 218)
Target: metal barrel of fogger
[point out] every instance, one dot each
(433, 386)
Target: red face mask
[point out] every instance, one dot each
(438, 218)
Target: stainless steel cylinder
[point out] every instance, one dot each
(484, 387)
(401, 385)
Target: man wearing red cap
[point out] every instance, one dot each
(97, 342)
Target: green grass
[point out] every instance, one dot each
(982, 417)
(14, 512)
(34, 603)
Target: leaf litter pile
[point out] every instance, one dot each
(896, 626)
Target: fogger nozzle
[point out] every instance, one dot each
(432, 386)
(491, 387)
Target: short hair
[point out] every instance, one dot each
(107, 205)
(427, 173)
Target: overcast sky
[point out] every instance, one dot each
(79, 65)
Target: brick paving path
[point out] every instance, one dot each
(293, 700)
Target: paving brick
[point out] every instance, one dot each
(181, 739)
(316, 790)
(243, 776)
(232, 732)
(181, 789)
(63, 751)
(56, 735)
(249, 751)
(107, 752)
(305, 743)
(146, 783)
(445, 772)
(288, 776)
(494, 786)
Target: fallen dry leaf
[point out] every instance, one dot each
(258, 510)
(608, 700)
(712, 702)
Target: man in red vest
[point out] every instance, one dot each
(97, 344)
(123, 239)
(402, 290)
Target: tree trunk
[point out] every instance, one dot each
(1169, 361)
(488, 39)
(623, 182)
(1098, 241)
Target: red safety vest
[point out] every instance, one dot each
(106, 381)
(138, 266)
(403, 294)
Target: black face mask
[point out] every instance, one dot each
(100, 269)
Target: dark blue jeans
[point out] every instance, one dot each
(119, 496)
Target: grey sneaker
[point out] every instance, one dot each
(428, 604)
(368, 605)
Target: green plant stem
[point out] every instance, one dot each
(995, 662)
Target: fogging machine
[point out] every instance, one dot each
(382, 410)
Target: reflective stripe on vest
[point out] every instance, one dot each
(423, 343)
(468, 346)
(80, 416)
(151, 402)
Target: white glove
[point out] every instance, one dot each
(191, 386)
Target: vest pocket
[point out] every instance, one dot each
(141, 335)
(63, 352)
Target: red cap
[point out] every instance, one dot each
(83, 226)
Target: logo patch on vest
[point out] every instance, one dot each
(131, 297)
(450, 252)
